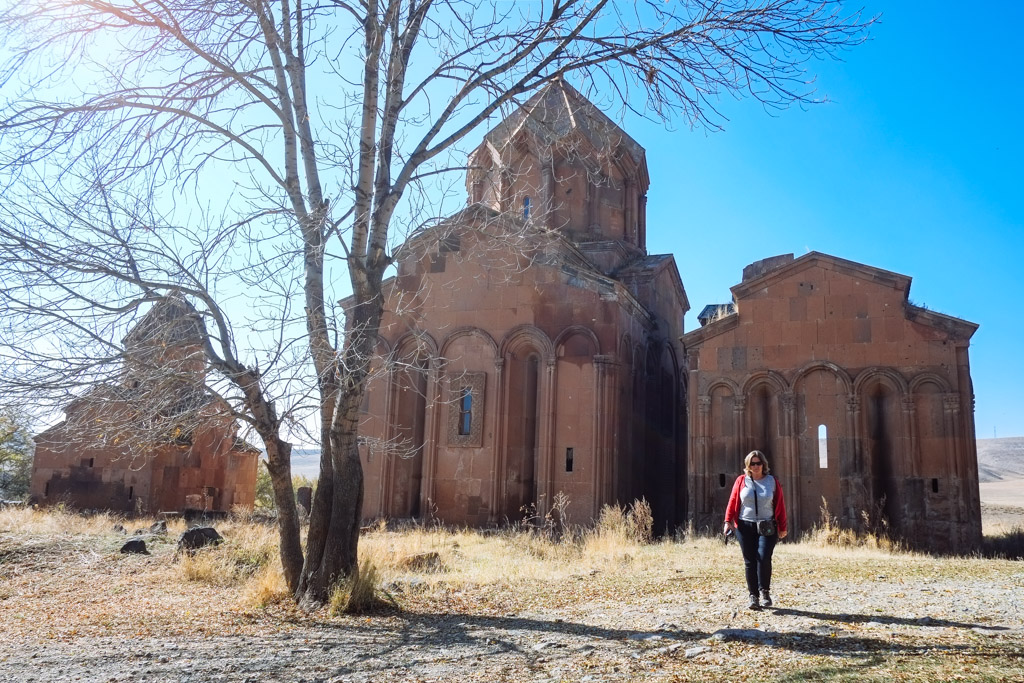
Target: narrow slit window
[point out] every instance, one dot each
(131, 492)
(935, 485)
(526, 207)
(92, 461)
(568, 459)
(465, 412)
(721, 481)
(822, 447)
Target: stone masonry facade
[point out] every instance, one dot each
(532, 356)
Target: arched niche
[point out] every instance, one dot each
(525, 354)
(406, 438)
(726, 458)
(884, 441)
(763, 415)
(931, 458)
(575, 406)
(822, 392)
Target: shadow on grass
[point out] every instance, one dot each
(883, 619)
(1007, 546)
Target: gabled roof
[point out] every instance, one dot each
(650, 266)
(817, 259)
(957, 328)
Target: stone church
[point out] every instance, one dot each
(862, 401)
(189, 457)
(531, 344)
(532, 355)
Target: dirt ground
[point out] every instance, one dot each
(74, 610)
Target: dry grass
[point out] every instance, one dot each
(62, 577)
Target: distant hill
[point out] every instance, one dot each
(306, 461)
(998, 460)
(1001, 459)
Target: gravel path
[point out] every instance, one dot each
(819, 626)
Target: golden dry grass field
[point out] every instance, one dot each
(502, 606)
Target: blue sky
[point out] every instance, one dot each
(913, 165)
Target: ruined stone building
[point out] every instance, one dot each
(153, 440)
(531, 344)
(861, 400)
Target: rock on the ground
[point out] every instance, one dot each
(199, 537)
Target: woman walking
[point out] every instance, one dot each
(757, 512)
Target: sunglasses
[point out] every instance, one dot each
(756, 462)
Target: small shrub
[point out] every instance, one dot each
(634, 524)
(875, 532)
(248, 550)
(552, 522)
(640, 522)
(1006, 546)
(611, 521)
(360, 593)
(266, 587)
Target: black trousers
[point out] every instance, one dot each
(757, 556)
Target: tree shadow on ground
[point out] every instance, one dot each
(888, 620)
(418, 638)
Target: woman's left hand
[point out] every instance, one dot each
(783, 534)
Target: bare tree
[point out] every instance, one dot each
(263, 159)
(15, 454)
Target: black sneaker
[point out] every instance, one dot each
(754, 603)
(766, 598)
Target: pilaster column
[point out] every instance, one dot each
(431, 414)
(858, 468)
(791, 460)
(642, 223)
(629, 212)
(951, 412)
(547, 191)
(739, 412)
(387, 466)
(702, 437)
(910, 459)
(546, 441)
(605, 418)
(499, 458)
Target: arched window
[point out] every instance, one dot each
(822, 446)
(526, 207)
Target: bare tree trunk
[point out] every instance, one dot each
(279, 464)
(333, 540)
